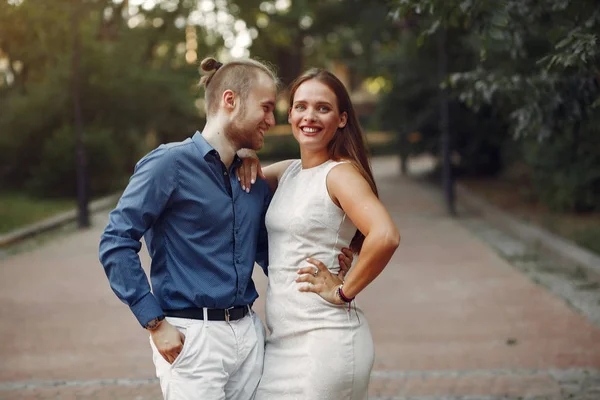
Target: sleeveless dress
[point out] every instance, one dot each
(316, 350)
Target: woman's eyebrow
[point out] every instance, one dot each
(317, 102)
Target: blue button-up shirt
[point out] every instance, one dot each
(202, 231)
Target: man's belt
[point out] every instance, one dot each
(213, 314)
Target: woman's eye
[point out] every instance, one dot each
(300, 107)
(323, 109)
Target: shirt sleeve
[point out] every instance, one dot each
(146, 196)
(262, 248)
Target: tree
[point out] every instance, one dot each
(308, 33)
(135, 83)
(537, 66)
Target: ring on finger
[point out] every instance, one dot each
(316, 272)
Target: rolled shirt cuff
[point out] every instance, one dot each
(146, 309)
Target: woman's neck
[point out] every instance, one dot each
(312, 159)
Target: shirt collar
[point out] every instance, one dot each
(205, 148)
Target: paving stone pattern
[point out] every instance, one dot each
(463, 312)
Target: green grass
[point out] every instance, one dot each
(19, 209)
(515, 198)
(588, 237)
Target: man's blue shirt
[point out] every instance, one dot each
(202, 231)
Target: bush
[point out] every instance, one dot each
(109, 160)
(26, 120)
(565, 170)
(279, 147)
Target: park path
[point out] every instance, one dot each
(450, 318)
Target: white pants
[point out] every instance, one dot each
(219, 360)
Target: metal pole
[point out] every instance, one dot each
(447, 179)
(83, 219)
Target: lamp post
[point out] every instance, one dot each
(83, 218)
(447, 178)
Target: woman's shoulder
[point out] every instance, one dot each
(342, 172)
(332, 164)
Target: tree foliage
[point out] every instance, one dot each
(538, 67)
(135, 82)
(311, 33)
(521, 69)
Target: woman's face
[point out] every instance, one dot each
(314, 115)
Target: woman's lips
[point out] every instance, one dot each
(310, 130)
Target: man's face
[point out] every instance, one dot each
(250, 122)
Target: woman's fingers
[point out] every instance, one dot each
(307, 270)
(311, 288)
(245, 178)
(248, 172)
(317, 263)
(307, 277)
(241, 175)
(345, 265)
(245, 174)
(261, 174)
(318, 278)
(253, 172)
(348, 256)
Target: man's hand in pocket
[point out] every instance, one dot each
(168, 341)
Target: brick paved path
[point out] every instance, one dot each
(451, 319)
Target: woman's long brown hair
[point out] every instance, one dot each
(348, 142)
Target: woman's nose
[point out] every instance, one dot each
(310, 116)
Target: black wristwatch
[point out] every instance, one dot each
(153, 324)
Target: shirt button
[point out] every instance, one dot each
(224, 172)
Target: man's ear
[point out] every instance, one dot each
(343, 120)
(229, 99)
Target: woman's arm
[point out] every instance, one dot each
(251, 168)
(349, 190)
(274, 171)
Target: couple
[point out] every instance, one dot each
(204, 233)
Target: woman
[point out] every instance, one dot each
(320, 345)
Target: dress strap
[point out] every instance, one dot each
(332, 164)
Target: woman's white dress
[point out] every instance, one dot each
(316, 350)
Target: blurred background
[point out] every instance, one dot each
(502, 96)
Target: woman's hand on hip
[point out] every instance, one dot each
(320, 281)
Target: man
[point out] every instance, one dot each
(204, 234)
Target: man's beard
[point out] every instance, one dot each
(243, 137)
